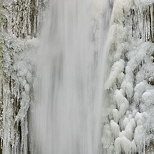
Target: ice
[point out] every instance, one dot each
(119, 98)
(107, 138)
(130, 87)
(139, 89)
(130, 129)
(118, 148)
(123, 108)
(115, 113)
(115, 128)
(117, 68)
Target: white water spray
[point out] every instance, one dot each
(67, 115)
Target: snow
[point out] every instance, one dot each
(107, 138)
(130, 129)
(117, 68)
(125, 122)
(27, 88)
(18, 72)
(126, 145)
(148, 98)
(122, 144)
(115, 128)
(123, 108)
(138, 91)
(139, 137)
(131, 76)
(118, 148)
(115, 113)
(144, 2)
(119, 98)
(133, 147)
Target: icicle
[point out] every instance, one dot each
(115, 128)
(117, 68)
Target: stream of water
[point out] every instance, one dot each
(68, 111)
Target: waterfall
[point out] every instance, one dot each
(68, 111)
(76, 76)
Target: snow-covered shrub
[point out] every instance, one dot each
(130, 83)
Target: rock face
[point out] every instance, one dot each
(24, 16)
(19, 23)
(129, 124)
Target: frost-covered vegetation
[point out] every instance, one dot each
(18, 26)
(17, 78)
(129, 124)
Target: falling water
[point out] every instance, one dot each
(68, 109)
